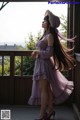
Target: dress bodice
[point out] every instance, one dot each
(41, 44)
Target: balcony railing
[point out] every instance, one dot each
(16, 89)
(12, 55)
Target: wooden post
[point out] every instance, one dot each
(11, 96)
(74, 29)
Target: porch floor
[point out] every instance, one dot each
(24, 112)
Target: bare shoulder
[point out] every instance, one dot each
(50, 35)
(50, 39)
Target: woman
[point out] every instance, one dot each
(49, 85)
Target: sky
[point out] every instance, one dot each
(19, 19)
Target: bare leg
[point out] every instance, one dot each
(43, 84)
(50, 100)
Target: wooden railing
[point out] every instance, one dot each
(17, 89)
(12, 55)
(14, 89)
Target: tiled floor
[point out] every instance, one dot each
(31, 112)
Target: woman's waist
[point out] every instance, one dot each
(46, 60)
(39, 58)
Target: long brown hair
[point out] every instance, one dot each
(62, 59)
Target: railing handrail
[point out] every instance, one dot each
(16, 53)
(12, 54)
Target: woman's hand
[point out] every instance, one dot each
(35, 53)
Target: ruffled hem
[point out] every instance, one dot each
(56, 99)
(65, 94)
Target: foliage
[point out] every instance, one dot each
(17, 65)
(6, 66)
(64, 25)
(28, 61)
(31, 44)
(28, 65)
(32, 41)
(64, 29)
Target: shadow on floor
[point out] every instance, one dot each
(24, 112)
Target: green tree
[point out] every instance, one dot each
(32, 41)
(6, 66)
(64, 29)
(28, 61)
(17, 65)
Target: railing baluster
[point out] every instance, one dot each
(21, 65)
(12, 64)
(2, 65)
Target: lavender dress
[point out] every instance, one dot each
(44, 68)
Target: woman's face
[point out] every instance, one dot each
(45, 24)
